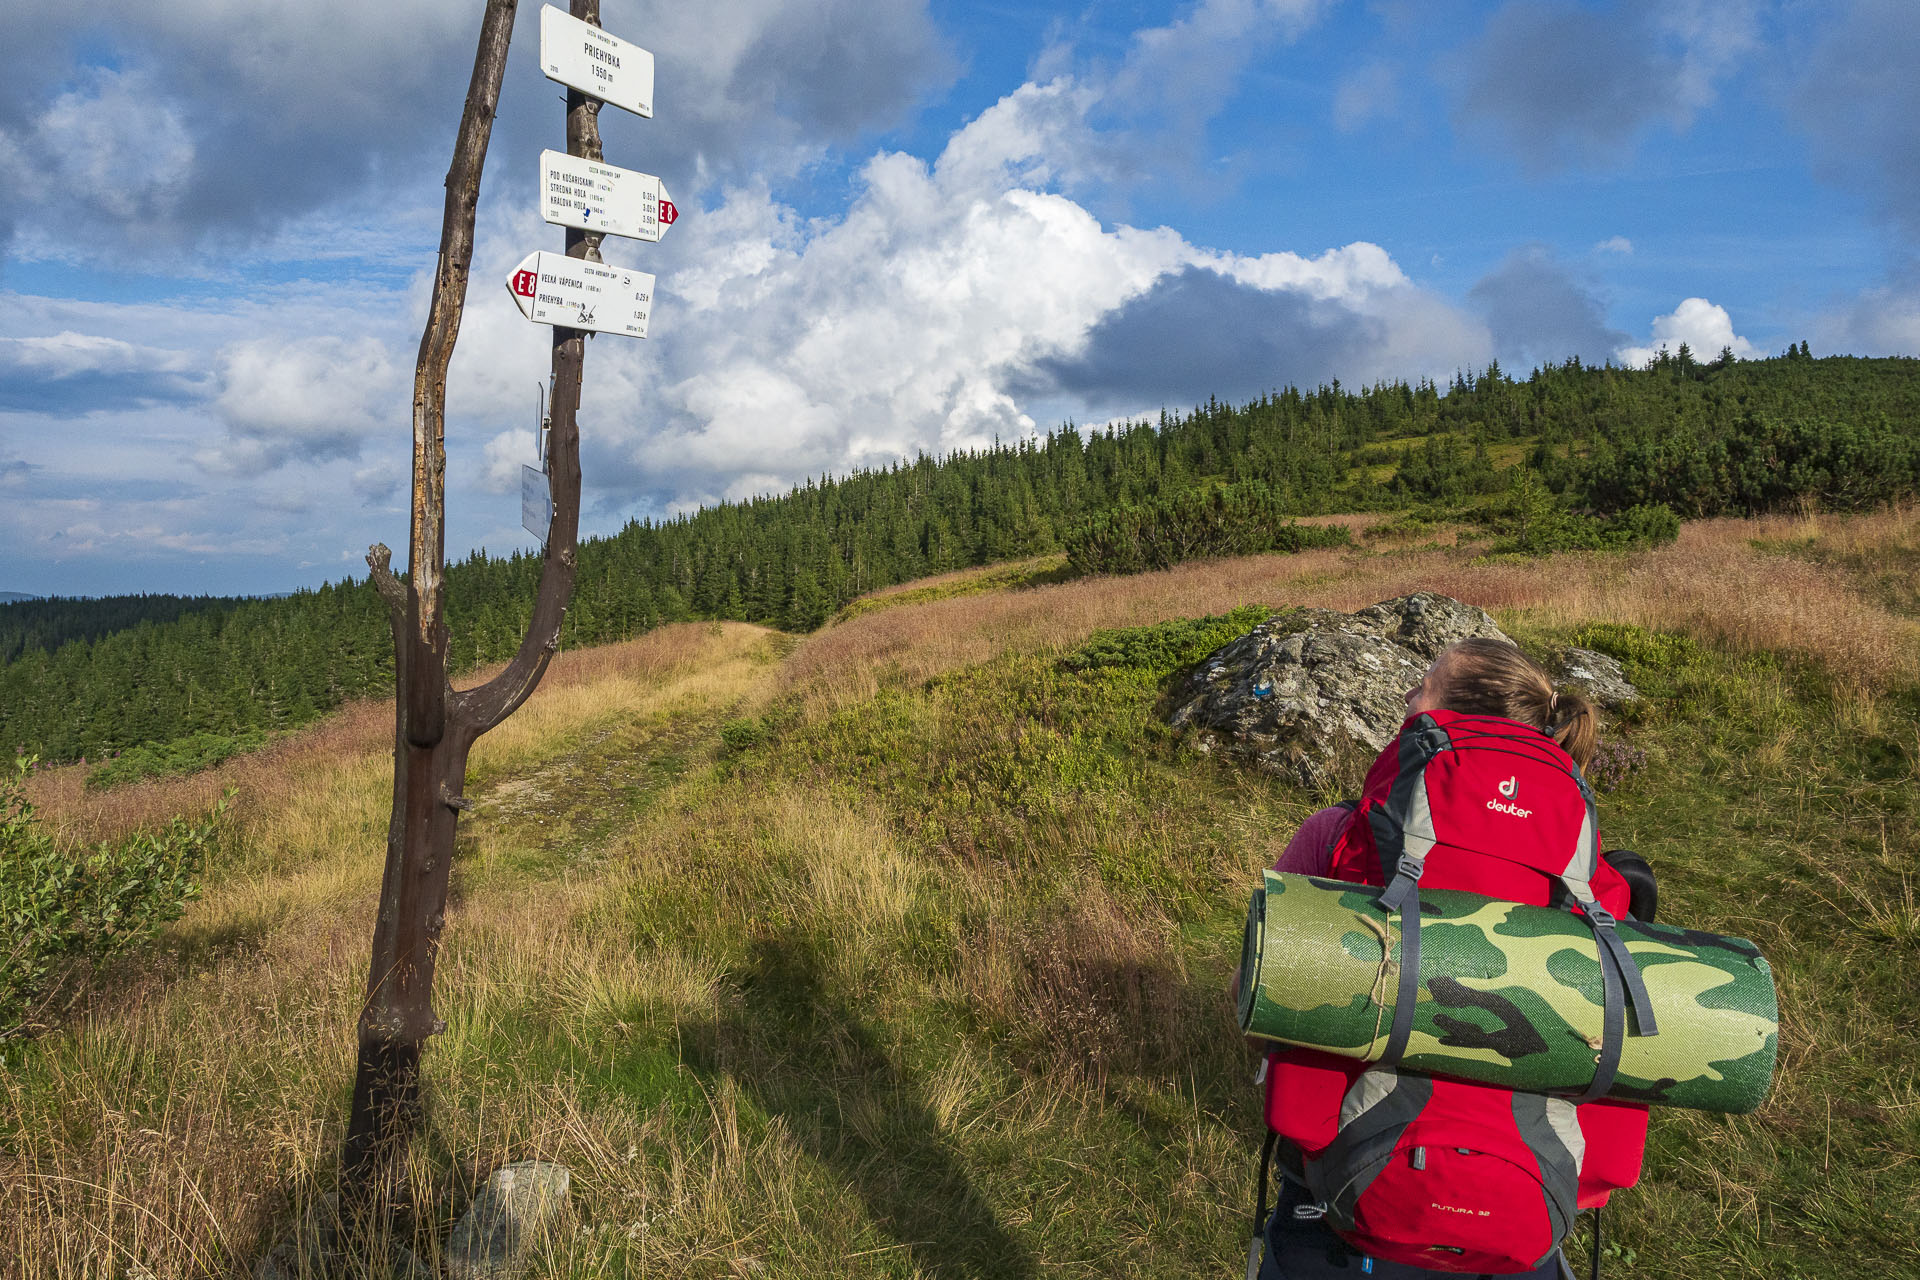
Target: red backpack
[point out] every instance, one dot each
(1444, 1174)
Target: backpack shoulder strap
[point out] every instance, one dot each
(1403, 833)
(1618, 968)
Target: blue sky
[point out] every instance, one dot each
(908, 225)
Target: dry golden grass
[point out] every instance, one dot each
(269, 781)
(250, 1043)
(1356, 523)
(1712, 583)
(230, 1111)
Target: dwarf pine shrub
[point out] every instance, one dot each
(191, 754)
(1225, 520)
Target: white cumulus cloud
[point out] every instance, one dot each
(955, 302)
(1704, 327)
(314, 397)
(506, 454)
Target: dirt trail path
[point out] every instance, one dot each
(567, 808)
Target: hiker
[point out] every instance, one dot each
(1484, 677)
(1486, 700)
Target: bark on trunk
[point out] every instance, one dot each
(434, 726)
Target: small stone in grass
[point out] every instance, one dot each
(521, 1204)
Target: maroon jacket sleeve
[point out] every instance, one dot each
(1310, 852)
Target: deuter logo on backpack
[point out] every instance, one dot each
(1509, 789)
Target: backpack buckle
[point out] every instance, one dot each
(1406, 878)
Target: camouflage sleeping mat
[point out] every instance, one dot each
(1509, 995)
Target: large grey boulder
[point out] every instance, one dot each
(1313, 694)
(520, 1205)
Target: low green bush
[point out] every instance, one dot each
(1761, 461)
(64, 909)
(1533, 522)
(191, 754)
(1652, 650)
(742, 734)
(1225, 520)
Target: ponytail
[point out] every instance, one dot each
(1493, 678)
(1576, 726)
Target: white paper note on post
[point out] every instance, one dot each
(575, 192)
(582, 56)
(551, 288)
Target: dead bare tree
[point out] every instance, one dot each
(436, 726)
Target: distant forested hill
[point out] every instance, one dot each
(38, 622)
(1706, 438)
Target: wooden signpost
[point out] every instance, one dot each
(435, 725)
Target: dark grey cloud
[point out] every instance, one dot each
(72, 374)
(50, 484)
(1559, 84)
(95, 392)
(1539, 312)
(1859, 105)
(839, 67)
(147, 129)
(150, 129)
(1198, 333)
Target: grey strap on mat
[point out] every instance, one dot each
(1613, 1029)
(1407, 993)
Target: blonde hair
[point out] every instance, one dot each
(1493, 678)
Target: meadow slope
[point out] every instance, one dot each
(899, 949)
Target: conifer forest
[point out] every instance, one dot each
(89, 678)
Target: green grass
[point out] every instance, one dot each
(1772, 807)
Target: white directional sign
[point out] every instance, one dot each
(536, 508)
(582, 56)
(551, 288)
(598, 197)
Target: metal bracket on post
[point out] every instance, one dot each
(541, 432)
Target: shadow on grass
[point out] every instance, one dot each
(802, 1052)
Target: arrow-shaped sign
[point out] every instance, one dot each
(598, 197)
(582, 56)
(551, 288)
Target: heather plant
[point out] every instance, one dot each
(1164, 646)
(1613, 762)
